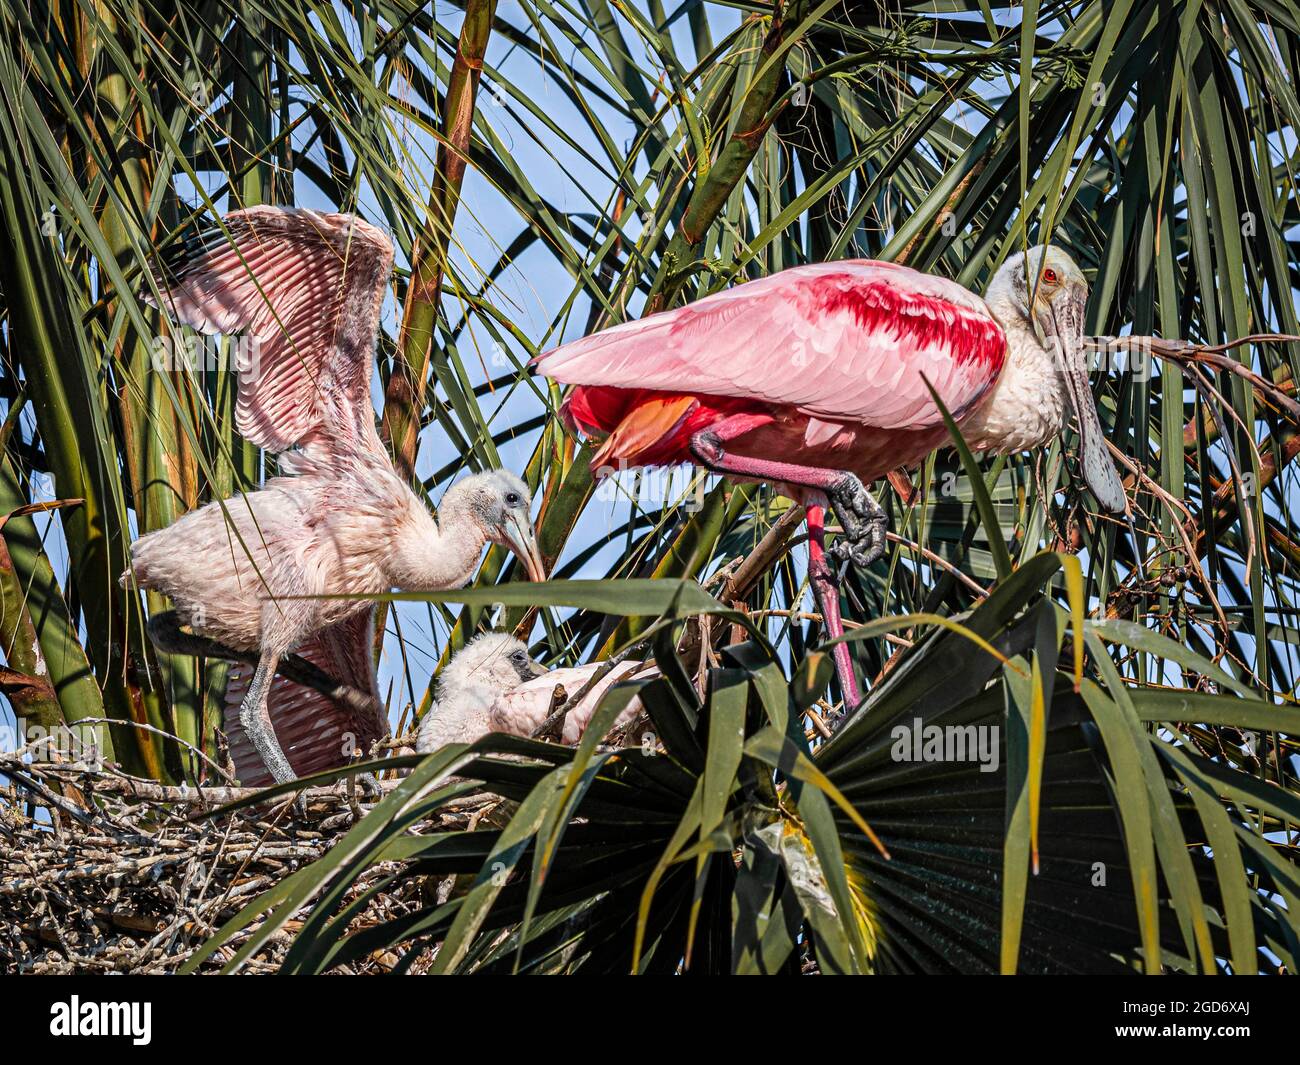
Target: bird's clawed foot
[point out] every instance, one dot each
(368, 786)
(863, 520)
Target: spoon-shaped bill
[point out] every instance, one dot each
(518, 534)
(1094, 460)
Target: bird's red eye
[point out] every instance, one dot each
(1049, 276)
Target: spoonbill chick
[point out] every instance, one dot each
(492, 685)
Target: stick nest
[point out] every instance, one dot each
(101, 872)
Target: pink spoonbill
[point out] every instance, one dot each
(814, 380)
(339, 520)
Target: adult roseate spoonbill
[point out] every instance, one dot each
(814, 379)
(491, 685)
(339, 521)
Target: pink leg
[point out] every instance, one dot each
(860, 516)
(825, 588)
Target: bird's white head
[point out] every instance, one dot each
(501, 505)
(425, 553)
(492, 660)
(487, 667)
(1046, 288)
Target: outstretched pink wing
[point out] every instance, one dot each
(315, 732)
(308, 288)
(846, 341)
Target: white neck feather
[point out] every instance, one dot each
(1026, 406)
(428, 555)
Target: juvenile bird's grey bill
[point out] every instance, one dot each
(518, 533)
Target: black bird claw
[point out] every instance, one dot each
(863, 505)
(859, 554)
(864, 551)
(848, 493)
(863, 539)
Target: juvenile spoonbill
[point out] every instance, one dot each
(307, 288)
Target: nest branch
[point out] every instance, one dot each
(132, 876)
